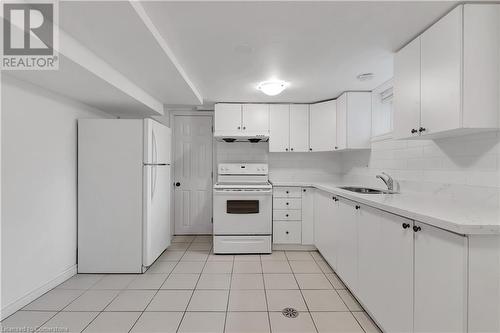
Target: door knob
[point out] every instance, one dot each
(177, 184)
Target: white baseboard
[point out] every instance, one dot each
(293, 247)
(34, 294)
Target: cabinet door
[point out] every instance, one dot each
(323, 226)
(307, 216)
(299, 127)
(441, 68)
(255, 118)
(385, 268)
(440, 280)
(341, 122)
(359, 120)
(227, 117)
(347, 265)
(279, 127)
(322, 126)
(407, 90)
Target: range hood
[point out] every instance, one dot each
(241, 137)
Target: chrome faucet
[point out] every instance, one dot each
(389, 182)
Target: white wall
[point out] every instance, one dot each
(463, 168)
(39, 164)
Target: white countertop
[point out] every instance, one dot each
(458, 217)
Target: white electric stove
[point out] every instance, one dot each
(242, 209)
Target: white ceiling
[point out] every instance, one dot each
(226, 48)
(114, 31)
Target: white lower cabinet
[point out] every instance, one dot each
(385, 268)
(411, 277)
(440, 277)
(293, 215)
(347, 215)
(307, 216)
(287, 232)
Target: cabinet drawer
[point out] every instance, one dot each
(287, 215)
(287, 203)
(287, 192)
(287, 232)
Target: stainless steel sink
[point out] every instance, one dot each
(366, 190)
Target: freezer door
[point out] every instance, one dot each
(156, 226)
(157, 142)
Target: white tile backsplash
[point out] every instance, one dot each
(462, 168)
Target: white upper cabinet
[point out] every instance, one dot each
(451, 73)
(322, 126)
(255, 118)
(354, 112)
(407, 91)
(279, 127)
(441, 65)
(241, 119)
(227, 117)
(299, 127)
(289, 128)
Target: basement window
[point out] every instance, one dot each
(382, 111)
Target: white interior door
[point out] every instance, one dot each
(193, 174)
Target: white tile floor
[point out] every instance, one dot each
(189, 289)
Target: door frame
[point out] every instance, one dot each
(173, 114)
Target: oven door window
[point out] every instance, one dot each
(242, 206)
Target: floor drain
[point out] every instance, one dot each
(290, 313)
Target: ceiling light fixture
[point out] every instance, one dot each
(365, 76)
(272, 87)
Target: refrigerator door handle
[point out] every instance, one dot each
(155, 150)
(153, 181)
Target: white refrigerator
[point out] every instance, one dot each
(124, 191)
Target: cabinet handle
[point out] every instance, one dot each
(291, 149)
(336, 147)
(287, 192)
(303, 190)
(177, 184)
(336, 199)
(287, 203)
(286, 232)
(413, 131)
(244, 128)
(357, 206)
(239, 127)
(286, 215)
(406, 225)
(416, 228)
(310, 149)
(422, 129)
(286, 149)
